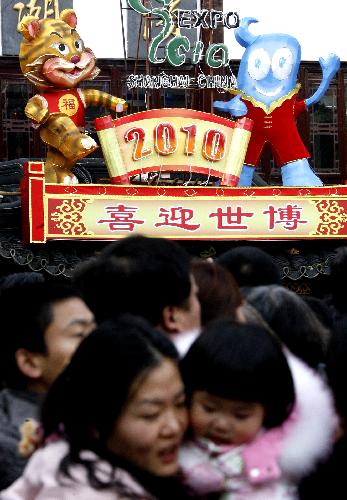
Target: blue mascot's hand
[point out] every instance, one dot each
(235, 107)
(330, 66)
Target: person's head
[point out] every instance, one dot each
(15, 279)
(293, 321)
(250, 266)
(237, 381)
(150, 277)
(321, 310)
(218, 293)
(42, 325)
(246, 313)
(121, 396)
(336, 368)
(338, 278)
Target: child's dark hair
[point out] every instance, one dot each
(241, 362)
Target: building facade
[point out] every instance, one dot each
(323, 128)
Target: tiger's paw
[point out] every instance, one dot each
(70, 180)
(88, 143)
(121, 107)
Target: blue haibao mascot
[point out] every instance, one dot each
(267, 93)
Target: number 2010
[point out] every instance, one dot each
(166, 142)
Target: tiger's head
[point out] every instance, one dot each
(52, 54)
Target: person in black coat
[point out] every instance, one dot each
(329, 480)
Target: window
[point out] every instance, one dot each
(324, 145)
(17, 135)
(176, 98)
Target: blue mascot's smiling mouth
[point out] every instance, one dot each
(269, 93)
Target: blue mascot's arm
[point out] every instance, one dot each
(330, 67)
(235, 107)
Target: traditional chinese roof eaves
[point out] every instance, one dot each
(54, 258)
(59, 258)
(306, 265)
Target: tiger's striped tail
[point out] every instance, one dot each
(93, 97)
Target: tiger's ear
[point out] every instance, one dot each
(69, 17)
(29, 26)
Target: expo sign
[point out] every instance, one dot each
(176, 49)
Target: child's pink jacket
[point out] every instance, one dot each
(271, 465)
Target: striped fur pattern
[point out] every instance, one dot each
(52, 48)
(94, 97)
(53, 57)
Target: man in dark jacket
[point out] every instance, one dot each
(149, 277)
(42, 325)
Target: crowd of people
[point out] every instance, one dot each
(153, 375)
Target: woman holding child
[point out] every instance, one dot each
(114, 421)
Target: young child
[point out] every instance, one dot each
(260, 419)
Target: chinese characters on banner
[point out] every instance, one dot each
(121, 218)
(289, 216)
(185, 218)
(110, 212)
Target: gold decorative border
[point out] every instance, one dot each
(333, 218)
(69, 215)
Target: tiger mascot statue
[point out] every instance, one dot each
(53, 57)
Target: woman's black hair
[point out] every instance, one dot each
(241, 362)
(87, 398)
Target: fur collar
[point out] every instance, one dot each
(310, 437)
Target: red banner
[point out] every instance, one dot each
(109, 212)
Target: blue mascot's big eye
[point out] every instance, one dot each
(282, 63)
(258, 64)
